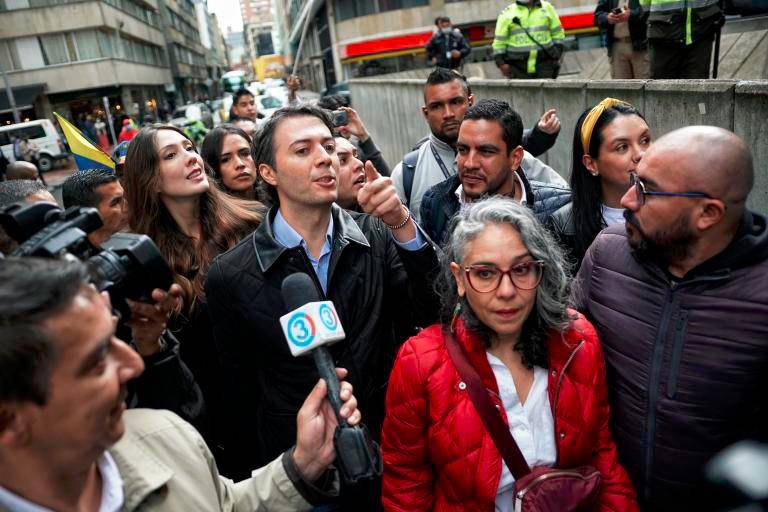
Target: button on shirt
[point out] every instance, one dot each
(288, 237)
(531, 424)
(111, 491)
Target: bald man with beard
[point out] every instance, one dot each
(680, 299)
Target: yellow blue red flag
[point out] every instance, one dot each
(87, 154)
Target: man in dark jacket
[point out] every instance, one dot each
(375, 268)
(681, 36)
(447, 47)
(680, 299)
(488, 161)
(625, 30)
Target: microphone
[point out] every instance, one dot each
(310, 325)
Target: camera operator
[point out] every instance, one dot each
(14, 191)
(66, 441)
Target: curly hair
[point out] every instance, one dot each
(551, 295)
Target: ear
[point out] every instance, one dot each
(14, 427)
(515, 158)
(590, 164)
(471, 100)
(267, 173)
(712, 212)
(424, 110)
(457, 274)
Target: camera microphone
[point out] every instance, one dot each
(309, 326)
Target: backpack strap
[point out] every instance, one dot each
(409, 171)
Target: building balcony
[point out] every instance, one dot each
(91, 74)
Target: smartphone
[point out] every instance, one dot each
(617, 10)
(340, 118)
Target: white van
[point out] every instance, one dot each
(42, 133)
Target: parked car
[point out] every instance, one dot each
(43, 134)
(192, 112)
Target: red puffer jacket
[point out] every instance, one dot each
(437, 453)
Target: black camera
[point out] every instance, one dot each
(340, 118)
(127, 265)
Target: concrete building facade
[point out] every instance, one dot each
(68, 55)
(186, 53)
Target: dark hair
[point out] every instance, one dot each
(80, 188)
(264, 145)
(13, 191)
(332, 102)
(443, 76)
(213, 144)
(224, 219)
(240, 93)
(32, 290)
(441, 19)
(502, 113)
(586, 190)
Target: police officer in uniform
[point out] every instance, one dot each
(528, 40)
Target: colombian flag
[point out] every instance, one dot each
(87, 154)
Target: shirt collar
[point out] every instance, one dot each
(463, 202)
(112, 496)
(288, 236)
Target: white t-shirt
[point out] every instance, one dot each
(531, 424)
(612, 216)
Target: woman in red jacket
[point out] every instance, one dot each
(504, 295)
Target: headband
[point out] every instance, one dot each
(593, 116)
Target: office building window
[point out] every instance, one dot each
(346, 9)
(9, 57)
(56, 49)
(88, 45)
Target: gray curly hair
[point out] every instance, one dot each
(551, 295)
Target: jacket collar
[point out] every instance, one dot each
(440, 145)
(268, 249)
(142, 473)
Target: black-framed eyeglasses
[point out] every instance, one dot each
(636, 183)
(486, 278)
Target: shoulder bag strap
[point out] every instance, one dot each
(492, 420)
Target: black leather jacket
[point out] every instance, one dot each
(381, 293)
(440, 204)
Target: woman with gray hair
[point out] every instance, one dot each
(504, 290)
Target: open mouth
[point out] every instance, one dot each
(196, 174)
(326, 180)
(360, 180)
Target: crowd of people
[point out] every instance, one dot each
(615, 321)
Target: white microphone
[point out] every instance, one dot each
(310, 326)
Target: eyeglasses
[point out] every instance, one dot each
(639, 186)
(486, 278)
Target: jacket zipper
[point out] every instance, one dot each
(520, 495)
(677, 353)
(653, 386)
(557, 388)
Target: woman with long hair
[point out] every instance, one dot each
(609, 141)
(503, 290)
(170, 199)
(227, 151)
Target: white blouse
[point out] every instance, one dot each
(531, 424)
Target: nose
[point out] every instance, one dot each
(507, 288)
(469, 160)
(629, 200)
(637, 153)
(239, 162)
(130, 364)
(324, 158)
(448, 111)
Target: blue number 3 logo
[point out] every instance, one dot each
(301, 330)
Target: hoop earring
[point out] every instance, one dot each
(456, 313)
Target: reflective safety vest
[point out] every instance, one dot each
(663, 13)
(542, 23)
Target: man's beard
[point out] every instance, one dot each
(671, 244)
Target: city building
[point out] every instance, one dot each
(68, 56)
(352, 38)
(185, 51)
(213, 43)
(236, 52)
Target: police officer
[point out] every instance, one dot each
(680, 36)
(528, 40)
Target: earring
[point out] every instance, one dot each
(456, 313)
(595, 173)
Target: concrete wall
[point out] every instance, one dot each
(391, 111)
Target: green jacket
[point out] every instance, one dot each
(510, 41)
(682, 21)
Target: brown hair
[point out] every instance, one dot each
(224, 219)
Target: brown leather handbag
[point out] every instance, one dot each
(541, 489)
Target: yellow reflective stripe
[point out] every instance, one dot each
(532, 62)
(688, 34)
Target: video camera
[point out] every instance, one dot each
(127, 265)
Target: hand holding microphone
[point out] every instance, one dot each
(309, 326)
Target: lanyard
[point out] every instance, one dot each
(446, 173)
